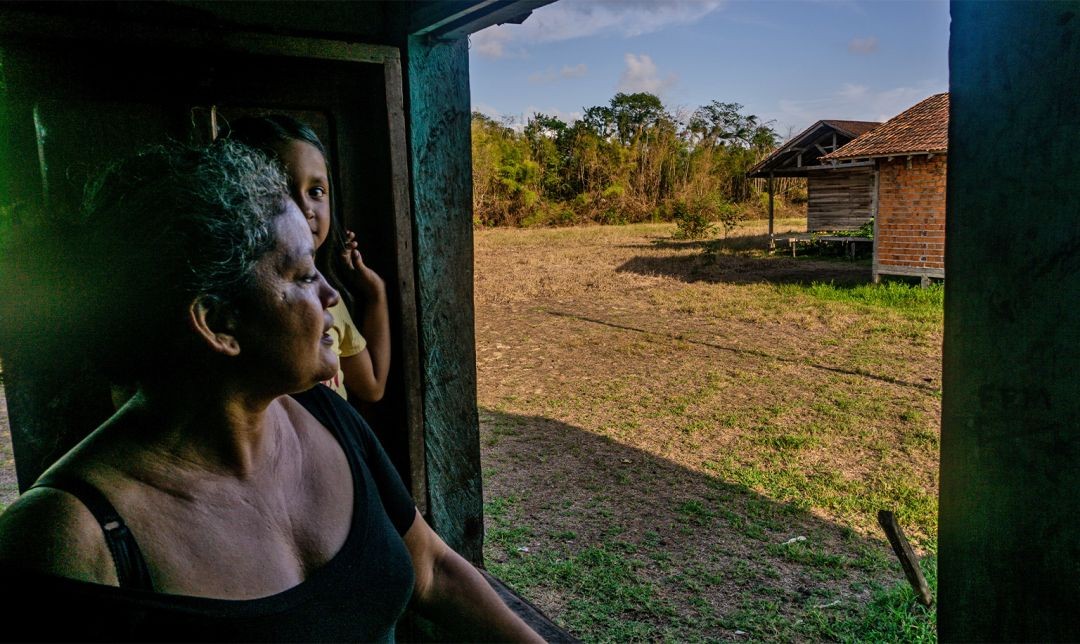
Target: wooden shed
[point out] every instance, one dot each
(908, 157)
(387, 84)
(837, 198)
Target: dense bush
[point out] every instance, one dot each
(629, 161)
(690, 223)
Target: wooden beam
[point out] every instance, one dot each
(836, 165)
(406, 285)
(440, 14)
(772, 240)
(446, 21)
(21, 26)
(440, 157)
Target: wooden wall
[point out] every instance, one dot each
(839, 199)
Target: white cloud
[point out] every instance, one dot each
(866, 45)
(853, 102)
(517, 121)
(570, 19)
(490, 43)
(642, 75)
(549, 75)
(577, 71)
(565, 117)
(540, 78)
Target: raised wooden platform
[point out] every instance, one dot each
(849, 245)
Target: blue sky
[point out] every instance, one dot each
(792, 62)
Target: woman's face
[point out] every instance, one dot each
(284, 327)
(309, 185)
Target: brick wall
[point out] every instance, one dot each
(911, 216)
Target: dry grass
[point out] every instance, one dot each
(660, 419)
(682, 410)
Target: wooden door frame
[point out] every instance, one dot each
(18, 28)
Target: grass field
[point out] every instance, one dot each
(689, 441)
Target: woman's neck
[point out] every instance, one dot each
(204, 425)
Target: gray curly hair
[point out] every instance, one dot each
(170, 225)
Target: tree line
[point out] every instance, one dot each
(628, 161)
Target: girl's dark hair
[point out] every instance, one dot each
(267, 134)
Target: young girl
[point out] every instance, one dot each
(364, 353)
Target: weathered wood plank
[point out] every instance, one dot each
(22, 25)
(839, 199)
(908, 561)
(409, 357)
(439, 110)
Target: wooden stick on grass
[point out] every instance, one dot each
(906, 556)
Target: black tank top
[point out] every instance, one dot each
(357, 596)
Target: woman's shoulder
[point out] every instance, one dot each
(50, 531)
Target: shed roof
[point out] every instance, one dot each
(921, 128)
(782, 158)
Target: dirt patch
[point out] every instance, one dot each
(669, 404)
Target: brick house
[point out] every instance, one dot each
(909, 157)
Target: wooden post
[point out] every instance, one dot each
(1010, 436)
(772, 239)
(438, 105)
(910, 563)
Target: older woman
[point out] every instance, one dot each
(220, 502)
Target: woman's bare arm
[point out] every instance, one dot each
(50, 531)
(452, 591)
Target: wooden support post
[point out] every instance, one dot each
(442, 212)
(772, 239)
(907, 557)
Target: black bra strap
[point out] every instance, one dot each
(130, 565)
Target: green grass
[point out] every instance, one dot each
(894, 615)
(715, 418)
(823, 488)
(612, 602)
(898, 296)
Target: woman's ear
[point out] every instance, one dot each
(215, 323)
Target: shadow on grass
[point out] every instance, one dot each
(732, 243)
(618, 544)
(751, 352)
(730, 261)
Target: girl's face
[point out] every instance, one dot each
(309, 184)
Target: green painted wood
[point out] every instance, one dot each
(439, 113)
(1010, 481)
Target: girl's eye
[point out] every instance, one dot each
(318, 193)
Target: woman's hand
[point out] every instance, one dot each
(360, 276)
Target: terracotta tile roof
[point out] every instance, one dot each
(918, 129)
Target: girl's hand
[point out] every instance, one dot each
(366, 280)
